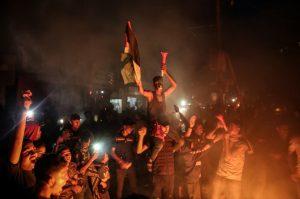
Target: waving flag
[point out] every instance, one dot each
(130, 58)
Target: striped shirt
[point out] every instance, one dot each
(164, 163)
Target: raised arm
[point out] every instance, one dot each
(141, 147)
(191, 126)
(250, 147)
(146, 94)
(212, 134)
(18, 140)
(220, 125)
(88, 164)
(19, 136)
(171, 80)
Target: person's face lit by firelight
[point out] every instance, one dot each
(29, 156)
(158, 86)
(66, 154)
(234, 129)
(58, 180)
(199, 129)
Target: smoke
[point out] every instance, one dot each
(76, 43)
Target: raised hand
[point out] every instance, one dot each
(27, 94)
(164, 69)
(142, 131)
(193, 121)
(27, 99)
(95, 156)
(220, 117)
(105, 158)
(221, 120)
(129, 24)
(220, 125)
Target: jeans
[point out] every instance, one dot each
(163, 186)
(193, 190)
(158, 145)
(121, 175)
(231, 188)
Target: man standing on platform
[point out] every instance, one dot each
(156, 98)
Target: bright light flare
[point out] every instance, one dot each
(183, 103)
(182, 109)
(61, 121)
(30, 113)
(96, 118)
(233, 100)
(277, 109)
(97, 147)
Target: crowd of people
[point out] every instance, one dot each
(160, 157)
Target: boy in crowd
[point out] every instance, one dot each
(123, 152)
(196, 142)
(70, 135)
(160, 131)
(52, 174)
(22, 158)
(100, 176)
(75, 178)
(229, 173)
(84, 160)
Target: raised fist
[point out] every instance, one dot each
(142, 131)
(193, 121)
(220, 118)
(27, 95)
(164, 69)
(27, 99)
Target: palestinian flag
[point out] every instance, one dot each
(130, 58)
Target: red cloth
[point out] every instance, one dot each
(164, 163)
(32, 131)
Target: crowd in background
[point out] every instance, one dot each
(198, 155)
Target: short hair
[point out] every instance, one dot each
(157, 79)
(62, 148)
(86, 136)
(47, 165)
(75, 116)
(39, 143)
(26, 142)
(163, 120)
(128, 122)
(236, 121)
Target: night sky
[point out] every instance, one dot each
(67, 40)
